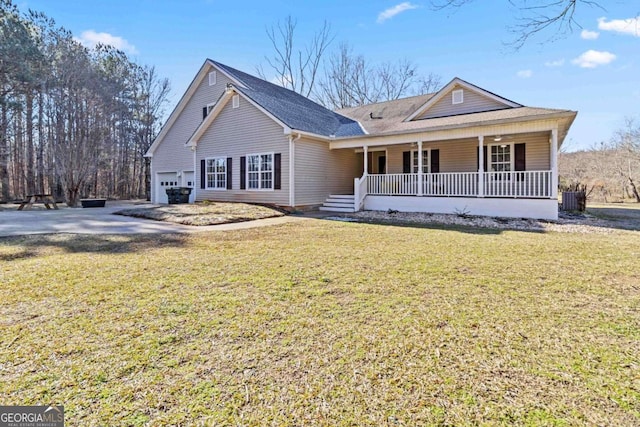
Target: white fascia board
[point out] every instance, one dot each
(311, 135)
(445, 132)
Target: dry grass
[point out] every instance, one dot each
(325, 323)
(205, 213)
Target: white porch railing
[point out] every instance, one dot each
(463, 184)
(528, 184)
(525, 184)
(393, 184)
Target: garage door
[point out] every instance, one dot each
(165, 180)
(188, 181)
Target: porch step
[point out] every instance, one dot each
(342, 196)
(329, 204)
(338, 203)
(346, 210)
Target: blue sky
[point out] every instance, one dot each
(594, 70)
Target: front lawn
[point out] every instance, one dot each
(324, 323)
(203, 213)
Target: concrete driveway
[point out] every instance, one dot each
(102, 221)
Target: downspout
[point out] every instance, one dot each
(292, 165)
(195, 172)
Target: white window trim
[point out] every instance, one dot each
(235, 101)
(213, 77)
(273, 172)
(206, 173)
(210, 107)
(424, 166)
(454, 94)
(511, 156)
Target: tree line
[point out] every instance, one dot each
(74, 121)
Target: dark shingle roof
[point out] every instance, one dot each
(293, 109)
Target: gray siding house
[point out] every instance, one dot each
(235, 137)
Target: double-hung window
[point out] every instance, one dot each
(425, 161)
(500, 158)
(217, 173)
(260, 171)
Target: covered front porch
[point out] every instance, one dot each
(509, 175)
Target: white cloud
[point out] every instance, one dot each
(556, 63)
(589, 35)
(594, 58)
(91, 38)
(524, 74)
(629, 26)
(395, 10)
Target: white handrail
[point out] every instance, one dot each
(359, 192)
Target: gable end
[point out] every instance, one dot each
(460, 97)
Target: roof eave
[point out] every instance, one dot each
(556, 115)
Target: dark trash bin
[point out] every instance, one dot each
(177, 195)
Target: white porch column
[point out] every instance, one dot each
(554, 163)
(420, 192)
(481, 166)
(365, 153)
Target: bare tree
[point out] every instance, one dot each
(349, 80)
(296, 68)
(535, 17)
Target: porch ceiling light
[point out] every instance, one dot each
(497, 138)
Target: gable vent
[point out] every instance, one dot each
(235, 101)
(457, 96)
(212, 78)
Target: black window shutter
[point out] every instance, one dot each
(243, 173)
(484, 156)
(277, 171)
(520, 162)
(203, 174)
(435, 161)
(406, 162)
(229, 174)
(520, 157)
(204, 113)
